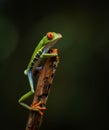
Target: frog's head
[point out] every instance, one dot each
(51, 38)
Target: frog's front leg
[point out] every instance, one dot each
(47, 55)
(37, 106)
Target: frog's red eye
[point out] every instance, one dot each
(50, 35)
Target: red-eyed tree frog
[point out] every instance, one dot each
(40, 53)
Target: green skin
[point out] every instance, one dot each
(40, 53)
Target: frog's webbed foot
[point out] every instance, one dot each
(38, 107)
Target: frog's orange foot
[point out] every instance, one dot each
(38, 107)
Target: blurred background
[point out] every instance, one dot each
(79, 96)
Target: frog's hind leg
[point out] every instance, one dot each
(28, 94)
(34, 107)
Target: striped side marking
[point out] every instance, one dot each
(36, 57)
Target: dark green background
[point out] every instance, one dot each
(79, 95)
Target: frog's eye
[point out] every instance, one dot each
(50, 35)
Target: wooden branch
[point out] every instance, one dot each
(42, 91)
